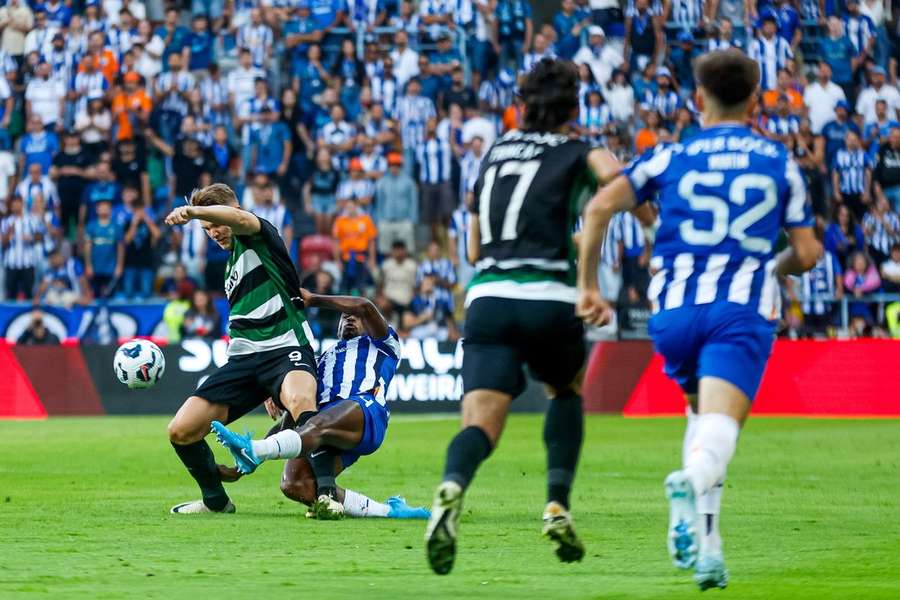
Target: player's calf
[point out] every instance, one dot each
(186, 432)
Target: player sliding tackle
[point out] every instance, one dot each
(353, 377)
(724, 197)
(269, 355)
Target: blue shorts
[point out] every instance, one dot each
(725, 340)
(376, 422)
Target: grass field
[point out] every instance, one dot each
(812, 511)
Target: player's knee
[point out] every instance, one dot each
(181, 432)
(300, 490)
(297, 402)
(178, 434)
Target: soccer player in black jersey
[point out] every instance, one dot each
(521, 303)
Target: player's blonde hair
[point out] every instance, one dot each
(212, 195)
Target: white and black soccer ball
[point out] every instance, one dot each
(139, 364)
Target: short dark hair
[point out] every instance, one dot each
(729, 76)
(212, 195)
(550, 93)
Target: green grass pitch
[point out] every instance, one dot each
(812, 510)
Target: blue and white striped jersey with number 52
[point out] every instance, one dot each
(724, 197)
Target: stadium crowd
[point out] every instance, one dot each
(357, 128)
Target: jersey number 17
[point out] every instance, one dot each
(523, 172)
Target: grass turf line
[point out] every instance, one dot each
(810, 511)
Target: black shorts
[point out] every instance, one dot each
(502, 335)
(245, 381)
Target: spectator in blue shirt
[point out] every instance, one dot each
(568, 28)
(64, 283)
(173, 35)
(104, 188)
(58, 14)
(327, 15)
(104, 251)
(298, 33)
(198, 47)
(444, 59)
(271, 144)
(682, 58)
(844, 236)
(837, 50)
(37, 146)
(431, 312)
(141, 234)
(432, 84)
(515, 29)
(835, 132)
(310, 77)
(789, 23)
(877, 131)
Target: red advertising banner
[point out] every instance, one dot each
(834, 378)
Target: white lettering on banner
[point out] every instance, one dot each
(440, 362)
(412, 354)
(198, 358)
(425, 388)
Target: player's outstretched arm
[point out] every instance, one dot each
(802, 254)
(615, 197)
(242, 222)
(604, 165)
(363, 308)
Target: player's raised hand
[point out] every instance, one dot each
(592, 308)
(179, 216)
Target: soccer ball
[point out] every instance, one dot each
(139, 364)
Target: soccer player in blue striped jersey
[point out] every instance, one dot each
(353, 377)
(724, 198)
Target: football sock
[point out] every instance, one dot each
(284, 444)
(323, 466)
(466, 451)
(689, 431)
(357, 505)
(563, 433)
(201, 464)
(711, 450)
(708, 506)
(304, 417)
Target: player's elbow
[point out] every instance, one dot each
(808, 254)
(600, 207)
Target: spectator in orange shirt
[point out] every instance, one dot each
(770, 97)
(104, 59)
(355, 234)
(512, 116)
(649, 136)
(131, 108)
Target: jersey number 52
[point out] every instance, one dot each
(722, 225)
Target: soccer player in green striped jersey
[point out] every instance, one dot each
(269, 354)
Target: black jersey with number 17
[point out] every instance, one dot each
(527, 197)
